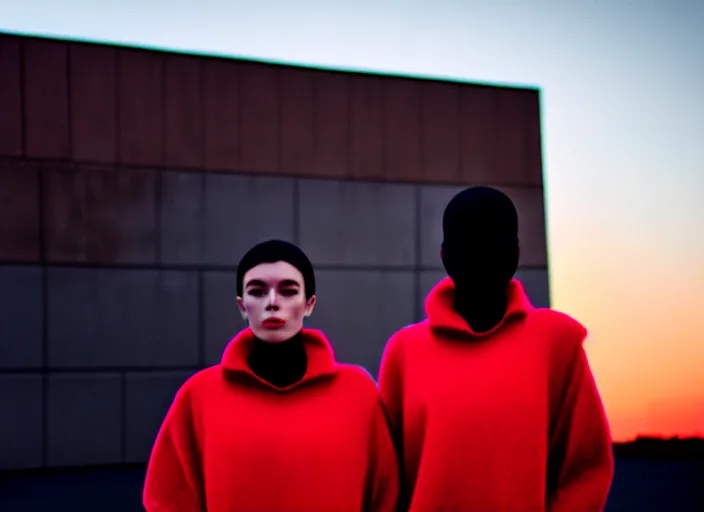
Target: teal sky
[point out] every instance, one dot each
(623, 134)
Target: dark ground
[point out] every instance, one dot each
(639, 486)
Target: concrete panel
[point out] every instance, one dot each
(85, 419)
(241, 211)
(220, 113)
(21, 318)
(332, 124)
(403, 130)
(181, 230)
(148, 397)
(367, 126)
(100, 216)
(259, 117)
(21, 428)
(478, 134)
(511, 144)
(182, 99)
(440, 140)
(535, 282)
(530, 206)
(93, 81)
(360, 310)
(122, 318)
(531, 224)
(19, 209)
(433, 200)
(297, 121)
(45, 88)
(222, 316)
(357, 223)
(140, 86)
(534, 145)
(11, 97)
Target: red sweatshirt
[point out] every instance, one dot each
(233, 442)
(508, 420)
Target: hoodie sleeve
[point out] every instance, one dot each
(581, 464)
(384, 466)
(174, 476)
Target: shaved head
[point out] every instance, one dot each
(480, 246)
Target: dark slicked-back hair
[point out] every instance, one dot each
(272, 251)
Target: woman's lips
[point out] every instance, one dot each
(273, 323)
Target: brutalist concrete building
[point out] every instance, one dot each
(132, 181)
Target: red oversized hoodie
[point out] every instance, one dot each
(507, 420)
(233, 442)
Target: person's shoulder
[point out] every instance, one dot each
(407, 335)
(357, 376)
(560, 328)
(357, 383)
(559, 321)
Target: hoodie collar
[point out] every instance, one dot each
(443, 318)
(319, 353)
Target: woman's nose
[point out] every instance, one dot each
(272, 300)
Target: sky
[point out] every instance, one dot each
(622, 86)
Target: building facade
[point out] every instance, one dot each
(132, 181)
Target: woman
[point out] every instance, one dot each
(278, 425)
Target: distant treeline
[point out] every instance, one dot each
(662, 448)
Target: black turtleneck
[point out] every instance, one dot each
(482, 313)
(281, 364)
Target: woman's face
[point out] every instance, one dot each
(274, 301)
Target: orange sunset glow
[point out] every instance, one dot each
(645, 344)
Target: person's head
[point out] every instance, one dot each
(275, 290)
(480, 249)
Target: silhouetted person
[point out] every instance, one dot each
(278, 425)
(492, 402)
